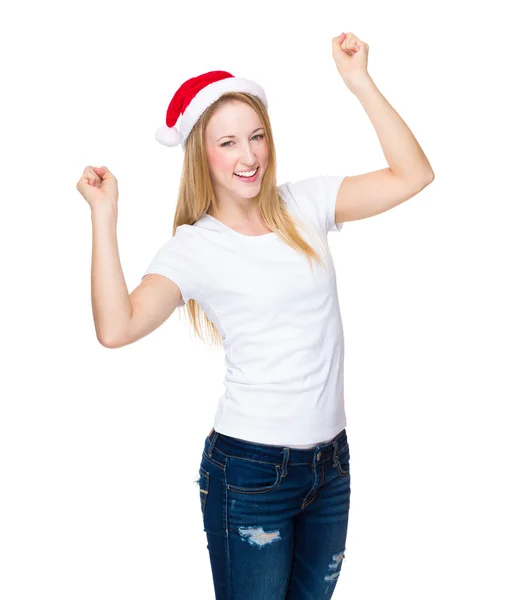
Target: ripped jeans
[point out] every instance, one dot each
(275, 517)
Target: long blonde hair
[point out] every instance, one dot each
(196, 195)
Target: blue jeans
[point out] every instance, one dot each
(275, 517)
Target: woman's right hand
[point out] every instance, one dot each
(99, 187)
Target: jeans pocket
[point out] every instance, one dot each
(247, 476)
(204, 482)
(342, 460)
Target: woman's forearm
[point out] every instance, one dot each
(111, 305)
(404, 155)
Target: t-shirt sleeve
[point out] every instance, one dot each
(318, 196)
(175, 261)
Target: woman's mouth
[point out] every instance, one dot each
(248, 179)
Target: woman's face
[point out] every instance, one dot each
(235, 141)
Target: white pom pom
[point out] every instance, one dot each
(168, 136)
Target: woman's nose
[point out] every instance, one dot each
(248, 157)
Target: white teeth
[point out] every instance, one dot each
(246, 173)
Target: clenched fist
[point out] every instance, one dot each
(99, 187)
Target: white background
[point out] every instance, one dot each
(100, 448)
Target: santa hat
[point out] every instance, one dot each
(194, 96)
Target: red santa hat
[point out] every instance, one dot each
(194, 96)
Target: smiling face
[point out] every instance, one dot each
(246, 150)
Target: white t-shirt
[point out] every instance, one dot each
(278, 317)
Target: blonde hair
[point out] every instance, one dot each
(196, 195)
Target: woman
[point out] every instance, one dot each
(250, 260)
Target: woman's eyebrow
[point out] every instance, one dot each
(235, 136)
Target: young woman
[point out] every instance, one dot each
(250, 261)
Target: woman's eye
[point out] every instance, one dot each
(260, 135)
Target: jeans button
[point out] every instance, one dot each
(318, 456)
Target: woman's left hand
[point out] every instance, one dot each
(351, 58)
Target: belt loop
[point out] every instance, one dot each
(285, 452)
(213, 439)
(335, 448)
